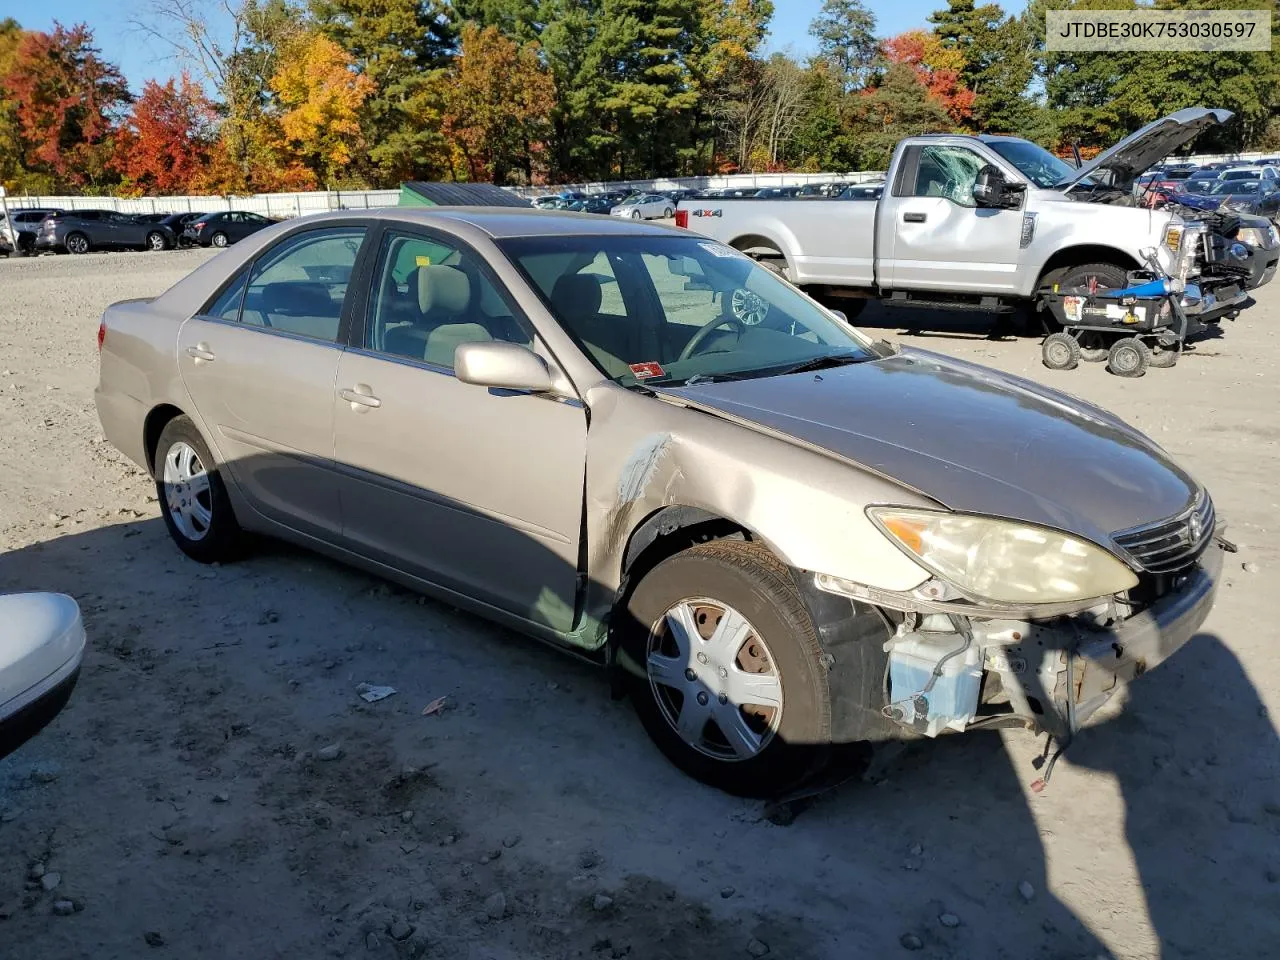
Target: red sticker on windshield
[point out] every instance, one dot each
(643, 371)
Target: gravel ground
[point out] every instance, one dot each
(216, 787)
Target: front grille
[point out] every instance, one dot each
(1171, 544)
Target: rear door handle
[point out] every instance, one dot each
(915, 217)
(361, 397)
(201, 353)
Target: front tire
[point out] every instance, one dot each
(636, 215)
(1129, 357)
(193, 498)
(668, 213)
(1060, 351)
(727, 674)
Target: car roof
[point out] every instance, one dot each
(505, 222)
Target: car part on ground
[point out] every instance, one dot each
(845, 578)
(40, 657)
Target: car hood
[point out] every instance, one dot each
(1138, 151)
(975, 440)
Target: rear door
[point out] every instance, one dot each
(259, 363)
(127, 231)
(933, 236)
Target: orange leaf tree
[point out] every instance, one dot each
(165, 144)
(321, 94)
(498, 104)
(937, 67)
(68, 101)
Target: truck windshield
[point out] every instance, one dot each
(1036, 163)
(669, 310)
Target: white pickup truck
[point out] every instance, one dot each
(988, 223)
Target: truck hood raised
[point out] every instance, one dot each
(973, 439)
(1137, 152)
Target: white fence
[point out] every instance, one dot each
(267, 204)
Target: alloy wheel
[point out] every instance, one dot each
(188, 497)
(156, 241)
(714, 679)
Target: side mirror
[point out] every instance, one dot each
(39, 662)
(505, 366)
(989, 188)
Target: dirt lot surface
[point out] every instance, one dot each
(188, 806)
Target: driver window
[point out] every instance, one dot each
(947, 172)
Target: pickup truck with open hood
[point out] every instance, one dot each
(993, 222)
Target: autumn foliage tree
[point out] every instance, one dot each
(165, 145)
(937, 67)
(321, 94)
(498, 104)
(67, 102)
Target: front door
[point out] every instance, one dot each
(479, 491)
(938, 238)
(260, 364)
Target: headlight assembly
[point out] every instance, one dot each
(1002, 560)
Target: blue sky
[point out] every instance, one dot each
(142, 59)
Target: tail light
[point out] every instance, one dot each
(198, 226)
(682, 218)
(102, 332)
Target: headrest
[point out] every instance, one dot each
(443, 289)
(576, 295)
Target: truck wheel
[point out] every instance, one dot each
(1129, 357)
(726, 670)
(1103, 276)
(1060, 351)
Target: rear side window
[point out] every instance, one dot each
(227, 304)
(300, 285)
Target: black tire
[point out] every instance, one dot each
(1092, 349)
(1060, 351)
(156, 241)
(223, 540)
(76, 243)
(1164, 357)
(1107, 276)
(220, 240)
(1128, 357)
(668, 213)
(751, 581)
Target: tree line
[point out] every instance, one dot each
(346, 94)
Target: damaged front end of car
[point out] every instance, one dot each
(956, 663)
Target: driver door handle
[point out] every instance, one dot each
(361, 397)
(201, 353)
(914, 217)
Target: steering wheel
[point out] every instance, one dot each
(706, 330)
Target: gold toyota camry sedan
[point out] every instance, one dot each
(780, 536)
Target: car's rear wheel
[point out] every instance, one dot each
(156, 241)
(193, 498)
(76, 243)
(726, 669)
(219, 239)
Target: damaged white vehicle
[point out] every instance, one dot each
(643, 447)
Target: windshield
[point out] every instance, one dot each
(1241, 175)
(1036, 163)
(1236, 186)
(667, 310)
(1199, 186)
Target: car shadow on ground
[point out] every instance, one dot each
(183, 656)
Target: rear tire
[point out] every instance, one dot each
(76, 243)
(219, 240)
(776, 727)
(1104, 276)
(1164, 357)
(156, 241)
(193, 498)
(1129, 357)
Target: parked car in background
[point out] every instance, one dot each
(22, 226)
(1250, 172)
(779, 533)
(224, 229)
(546, 202)
(777, 193)
(862, 191)
(645, 206)
(1252, 197)
(79, 231)
(593, 204)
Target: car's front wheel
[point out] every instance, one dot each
(725, 668)
(193, 498)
